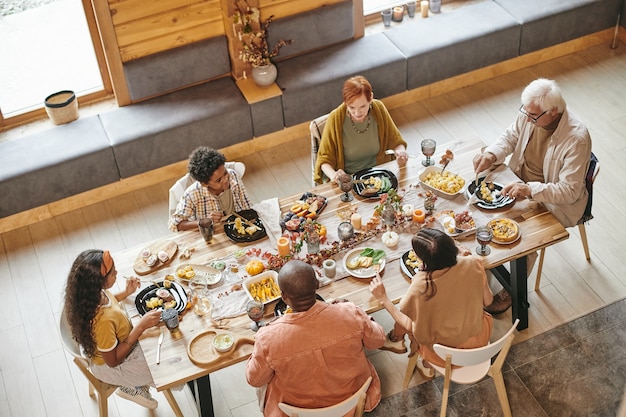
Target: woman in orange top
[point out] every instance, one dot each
(444, 303)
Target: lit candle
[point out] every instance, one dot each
(244, 76)
(234, 30)
(398, 13)
(424, 8)
(355, 219)
(283, 246)
(419, 216)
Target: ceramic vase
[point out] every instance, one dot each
(264, 75)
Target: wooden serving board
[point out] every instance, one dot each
(201, 351)
(142, 268)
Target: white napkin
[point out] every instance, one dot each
(228, 304)
(269, 213)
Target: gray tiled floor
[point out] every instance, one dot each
(577, 369)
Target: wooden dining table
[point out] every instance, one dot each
(508, 262)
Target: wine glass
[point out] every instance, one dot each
(255, 311)
(428, 149)
(345, 185)
(484, 234)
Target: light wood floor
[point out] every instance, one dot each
(37, 378)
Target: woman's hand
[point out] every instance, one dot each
(401, 156)
(150, 319)
(377, 288)
(338, 175)
(132, 285)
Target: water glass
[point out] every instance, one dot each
(484, 234)
(170, 317)
(386, 14)
(206, 229)
(199, 289)
(428, 149)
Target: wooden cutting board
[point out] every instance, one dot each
(142, 268)
(201, 351)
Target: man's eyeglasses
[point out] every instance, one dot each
(531, 117)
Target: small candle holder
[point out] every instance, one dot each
(345, 230)
(398, 14)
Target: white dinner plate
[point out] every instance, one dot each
(360, 272)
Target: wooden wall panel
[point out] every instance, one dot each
(125, 11)
(169, 41)
(284, 8)
(146, 27)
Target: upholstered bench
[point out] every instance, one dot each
(456, 42)
(55, 164)
(312, 83)
(164, 130)
(550, 22)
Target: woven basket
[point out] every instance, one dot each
(62, 107)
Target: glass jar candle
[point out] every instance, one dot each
(345, 230)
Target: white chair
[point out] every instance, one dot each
(317, 128)
(104, 389)
(178, 189)
(592, 173)
(474, 364)
(356, 401)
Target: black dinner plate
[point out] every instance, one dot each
(499, 203)
(408, 270)
(373, 172)
(281, 306)
(251, 215)
(177, 291)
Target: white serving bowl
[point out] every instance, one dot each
(437, 191)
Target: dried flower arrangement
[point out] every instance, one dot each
(255, 49)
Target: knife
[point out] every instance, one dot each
(159, 343)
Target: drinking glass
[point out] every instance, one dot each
(206, 229)
(345, 185)
(199, 289)
(484, 234)
(255, 311)
(428, 149)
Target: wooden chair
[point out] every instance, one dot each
(317, 128)
(592, 173)
(104, 389)
(178, 189)
(474, 364)
(356, 401)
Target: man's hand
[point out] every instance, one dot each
(516, 190)
(483, 161)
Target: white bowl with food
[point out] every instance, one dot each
(223, 342)
(262, 287)
(446, 184)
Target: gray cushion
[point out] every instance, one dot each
(177, 68)
(165, 130)
(55, 164)
(312, 83)
(449, 44)
(314, 29)
(550, 22)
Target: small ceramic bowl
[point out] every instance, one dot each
(223, 342)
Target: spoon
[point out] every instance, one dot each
(392, 152)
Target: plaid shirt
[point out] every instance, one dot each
(197, 202)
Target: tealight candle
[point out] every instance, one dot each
(424, 8)
(355, 219)
(419, 216)
(283, 246)
(398, 13)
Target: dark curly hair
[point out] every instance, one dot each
(203, 162)
(83, 293)
(437, 251)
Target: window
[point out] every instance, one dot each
(45, 49)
